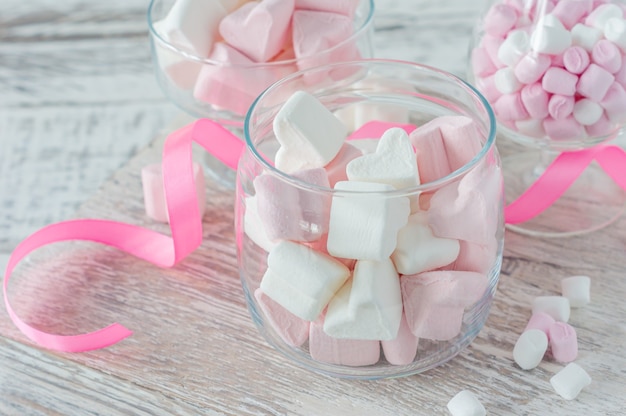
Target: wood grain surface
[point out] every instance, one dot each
(76, 114)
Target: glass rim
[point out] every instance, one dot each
(190, 56)
(424, 187)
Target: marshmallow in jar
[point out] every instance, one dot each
(214, 57)
(369, 217)
(553, 70)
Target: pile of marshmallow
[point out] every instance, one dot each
(559, 74)
(248, 40)
(351, 265)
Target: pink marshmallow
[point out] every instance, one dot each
(560, 106)
(557, 60)
(564, 129)
(620, 75)
(570, 12)
(345, 7)
(293, 330)
(576, 59)
(510, 107)
(535, 100)
(614, 103)
(291, 213)
(461, 139)
(602, 127)
(607, 55)
(348, 352)
(531, 67)
(559, 81)
(154, 193)
(499, 20)
(487, 87)
(474, 257)
(432, 161)
(492, 46)
(259, 30)
(541, 321)
(336, 168)
(482, 65)
(563, 342)
(594, 82)
(434, 302)
(402, 349)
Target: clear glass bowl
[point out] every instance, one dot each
(381, 89)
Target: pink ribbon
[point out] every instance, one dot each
(186, 223)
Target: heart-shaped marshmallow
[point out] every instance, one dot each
(369, 306)
(258, 29)
(394, 162)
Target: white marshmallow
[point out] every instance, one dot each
(309, 134)
(601, 14)
(365, 227)
(253, 226)
(576, 289)
(301, 279)
(569, 382)
(550, 36)
(557, 307)
(193, 24)
(465, 403)
(394, 162)
(506, 81)
(615, 31)
(530, 348)
(587, 112)
(514, 47)
(369, 306)
(585, 36)
(418, 250)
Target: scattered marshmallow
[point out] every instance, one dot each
(577, 290)
(563, 342)
(530, 348)
(570, 381)
(556, 306)
(541, 321)
(465, 403)
(154, 193)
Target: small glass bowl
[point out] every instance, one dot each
(384, 88)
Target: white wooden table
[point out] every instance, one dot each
(80, 114)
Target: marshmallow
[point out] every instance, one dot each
(482, 65)
(366, 146)
(607, 55)
(541, 321)
(570, 381)
(293, 330)
(559, 81)
(193, 24)
(253, 225)
(602, 127)
(514, 47)
(289, 212)
(510, 107)
(430, 150)
(367, 307)
(550, 36)
(564, 129)
(570, 12)
(154, 192)
(615, 31)
(434, 302)
(394, 162)
(535, 100)
(302, 280)
(531, 67)
(492, 46)
(259, 30)
(586, 112)
(365, 227)
(530, 348)
(336, 168)
(563, 342)
(350, 352)
(585, 36)
(475, 257)
(601, 14)
(531, 127)
(417, 250)
(594, 82)
(557, 307)
(461, 138)
(487, 86)
(576, 290)
(402, 349)
(345, 7)
(506, 82)
(614, 103)
(499, 20)
(465, 403)
(179, 70)
(576, 59)
(560, 106)
(309, 134)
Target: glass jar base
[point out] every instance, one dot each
(593, 201)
